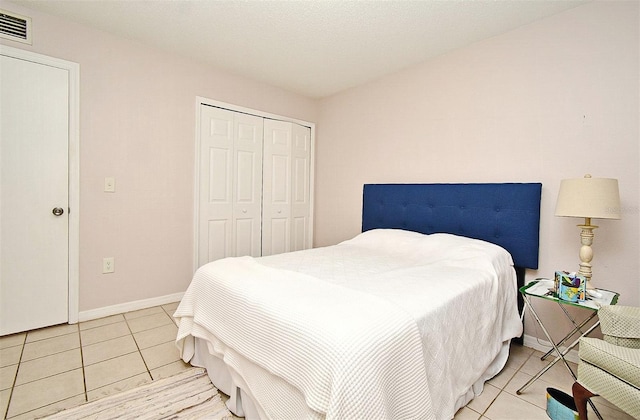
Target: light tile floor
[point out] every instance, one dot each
(44, 371)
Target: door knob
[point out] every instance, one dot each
(57, 211)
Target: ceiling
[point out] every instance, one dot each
(316, 47)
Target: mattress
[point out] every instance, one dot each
(441, 308)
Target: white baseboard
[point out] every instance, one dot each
(128, 307)
(544, 346)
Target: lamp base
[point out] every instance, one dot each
(586, 253)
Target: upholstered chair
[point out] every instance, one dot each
(611, 367)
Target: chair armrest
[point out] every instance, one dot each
(620, 322)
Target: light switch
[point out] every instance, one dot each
(109, 184)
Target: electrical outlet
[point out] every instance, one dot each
(108, 265)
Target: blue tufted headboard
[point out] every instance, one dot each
(505, 214)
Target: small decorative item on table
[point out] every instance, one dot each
(571, 286)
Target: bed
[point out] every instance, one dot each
(406, 320)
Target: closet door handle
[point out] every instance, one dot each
(57, 211)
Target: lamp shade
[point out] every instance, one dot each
(596, 198)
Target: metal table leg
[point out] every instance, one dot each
(578, 328)
(558, 352)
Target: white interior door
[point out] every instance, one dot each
(215, 225)
(247, 191)
(300, 188)
(276, 212)
(34, 151)
(230, 182)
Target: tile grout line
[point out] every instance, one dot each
(15, 378)
(138, 350)
(81, 362)
(84, 376)
(482, 415)
(138, 347)
(132, 335)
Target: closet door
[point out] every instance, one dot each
(247, 188)
(276, 188)
(300, 188)
(230, 184)
(286, 194)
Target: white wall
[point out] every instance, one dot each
(555, 99)
(137, 123)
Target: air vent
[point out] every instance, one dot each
(15, 27)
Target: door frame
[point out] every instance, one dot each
(74, 166)
(236, 108)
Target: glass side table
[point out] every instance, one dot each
(543, 289)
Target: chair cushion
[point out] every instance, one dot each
(621, 362)
(617, 392)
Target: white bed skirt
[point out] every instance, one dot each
(241, 401)
(222, 379)
(242, 404)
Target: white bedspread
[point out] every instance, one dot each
(390, 324)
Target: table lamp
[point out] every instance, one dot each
(591, 198)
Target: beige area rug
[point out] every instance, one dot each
(187, 395)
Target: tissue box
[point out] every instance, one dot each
(571, 287)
